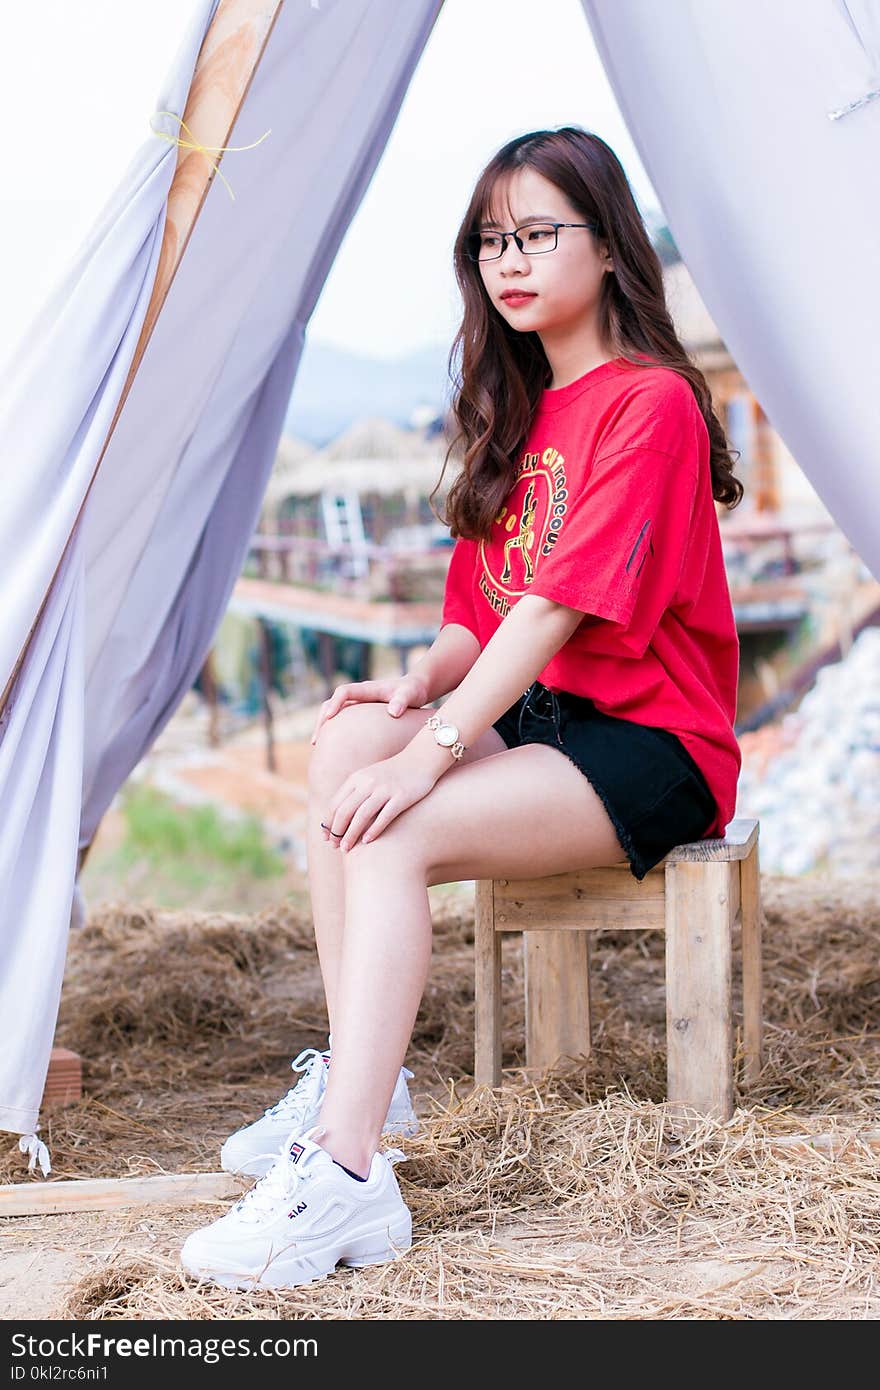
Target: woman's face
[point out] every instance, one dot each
(564, 284)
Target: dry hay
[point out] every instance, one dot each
(529, 1204)
(567, 1196)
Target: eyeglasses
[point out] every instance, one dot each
(533, 240)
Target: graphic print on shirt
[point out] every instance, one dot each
(526, 528)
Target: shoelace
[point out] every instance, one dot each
(279, 1184)
(303, 1095)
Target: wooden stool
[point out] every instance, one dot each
(695, 895)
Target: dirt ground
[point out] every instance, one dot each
(562, 1196)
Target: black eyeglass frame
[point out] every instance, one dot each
(474, 236)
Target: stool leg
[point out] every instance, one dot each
(487, 987)
(750, 907)
(557, 970)
(699, 1032)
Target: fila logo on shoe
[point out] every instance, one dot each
(297, 1211)
(296, 1152)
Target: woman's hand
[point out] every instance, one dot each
(373, 796)
(401, 692)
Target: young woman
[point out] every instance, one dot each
(589, 646)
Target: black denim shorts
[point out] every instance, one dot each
(654, 793)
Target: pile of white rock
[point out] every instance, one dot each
(818, 798)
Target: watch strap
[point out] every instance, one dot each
(456, 749)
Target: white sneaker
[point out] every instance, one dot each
(252, 1150)
(301, 1220)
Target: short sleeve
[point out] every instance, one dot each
(458, 594)
(622, 550)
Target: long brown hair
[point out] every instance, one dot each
(503, 372)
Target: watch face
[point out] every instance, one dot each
(447, 734)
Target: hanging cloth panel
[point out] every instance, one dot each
(134, 607)
(200, 428)
(773, 198)
(58, 396)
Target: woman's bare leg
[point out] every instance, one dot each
(357, 736)
(327, 894)
(525, 812)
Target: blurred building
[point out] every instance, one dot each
(372, 482)
(773, 481)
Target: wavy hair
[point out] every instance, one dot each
(503, 372)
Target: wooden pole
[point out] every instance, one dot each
(267, 673)
(229, 57)
(209, 690)
(487, 987)
(557, 984)
(764, 478)
(699, 1028)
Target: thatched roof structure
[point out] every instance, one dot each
(376, 455)
(373, 455)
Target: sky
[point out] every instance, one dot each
(80, 78)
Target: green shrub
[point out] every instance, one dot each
(194, 837)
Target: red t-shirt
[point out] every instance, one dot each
(612, 514)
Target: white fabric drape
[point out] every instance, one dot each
(59, 395)
(774, 205)
(145, 582)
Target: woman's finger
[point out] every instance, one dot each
(389, 812)
(331, 830)
(341, 810)
(320, 720)
(363, 693)
(361, 819)
(331, 707)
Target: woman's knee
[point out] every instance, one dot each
(359, 735)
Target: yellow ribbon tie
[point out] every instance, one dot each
(206, 150)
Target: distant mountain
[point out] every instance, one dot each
(333, 388)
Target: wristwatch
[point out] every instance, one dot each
(446, 735)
